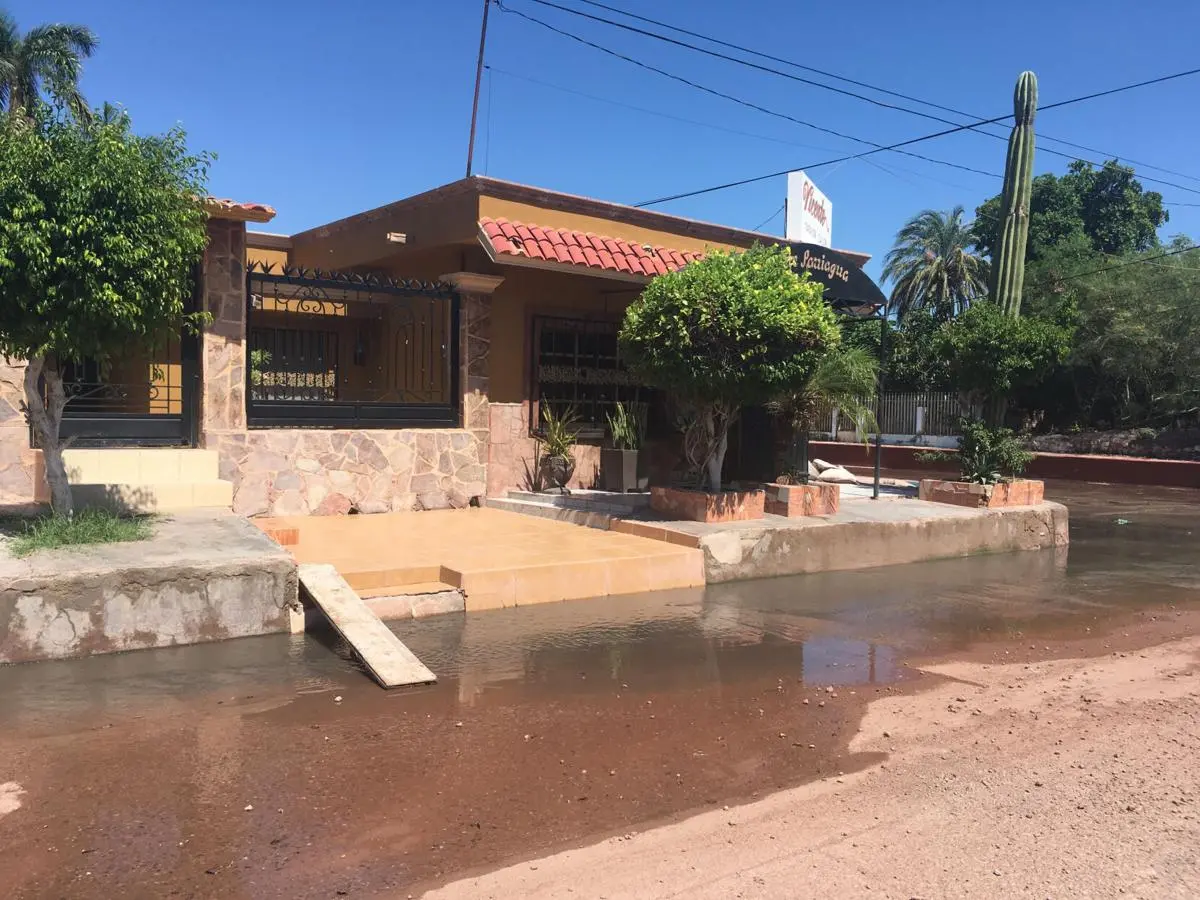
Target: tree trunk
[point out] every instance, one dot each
(46, 417)
(716, 462)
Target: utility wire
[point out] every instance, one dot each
(724, 56)
(878, 147)
(862, 84)
(763, 224)
(1121, 265)
(751, 105)
(817, 165)
(654, 112)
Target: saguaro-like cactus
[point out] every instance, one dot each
(1008, 264)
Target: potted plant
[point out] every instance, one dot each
(845, 378)
(559, 433)
(621, 466)
(731, 329)
(990, 461)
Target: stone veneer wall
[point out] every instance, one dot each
(16, 459)
(512, 448)
(223, 343)
(289, 472)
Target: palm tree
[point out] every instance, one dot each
(48, 57)
(845, 379)
(930, 266)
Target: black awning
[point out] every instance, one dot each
(847, 287)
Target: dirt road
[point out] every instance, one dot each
(1063, 778)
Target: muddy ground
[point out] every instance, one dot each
(273, 768)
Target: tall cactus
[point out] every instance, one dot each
(1008, 264)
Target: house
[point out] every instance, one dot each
(396, 359)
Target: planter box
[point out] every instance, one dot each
(701, 506)
(623, 470)
(1023, 492)
(794, 500)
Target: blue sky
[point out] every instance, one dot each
(323, 110)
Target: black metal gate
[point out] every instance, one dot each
(147, 400)
(344, 350)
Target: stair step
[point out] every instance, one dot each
(137, 465)
(151, 497)
(411, 590)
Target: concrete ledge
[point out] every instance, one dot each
(201, 577)
(777, 546)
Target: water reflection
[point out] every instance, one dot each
(833, 628)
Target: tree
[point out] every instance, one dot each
(912, 361)
(1101, 210)
(845, 378)
(732, 329)
(1135, 359)
(989, 354)
(49, 57)
(99, 233)
(931, 267)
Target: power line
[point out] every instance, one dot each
(842, 78)
(654, 112)
(763, 224)
(971, 126)
(757, 178)
(1121, 265)
(750, 104)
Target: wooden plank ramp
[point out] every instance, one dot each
(385, 656)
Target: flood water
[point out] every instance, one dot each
(274, 766)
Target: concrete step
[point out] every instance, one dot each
(590, 518)
(137, 465)
(151, 497)
(591, 501)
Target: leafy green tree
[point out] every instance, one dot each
(99, 232)
(732, 329)
(913, 363)
(1103, 210)
(989, 355)
(931, 268)
(1135, 359)
(48, 57)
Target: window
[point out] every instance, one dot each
(577, 365)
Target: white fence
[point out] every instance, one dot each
(906, 416)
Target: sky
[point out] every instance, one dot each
(323, 110)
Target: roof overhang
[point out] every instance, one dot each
(232, 210)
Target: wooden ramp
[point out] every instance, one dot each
(384, 655)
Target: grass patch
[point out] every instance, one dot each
(88, 526)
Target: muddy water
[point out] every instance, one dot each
(235, 770)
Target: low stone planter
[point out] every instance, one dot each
(794, 500)
(1022, 492)
(701, 506)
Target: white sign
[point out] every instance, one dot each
(809, 212)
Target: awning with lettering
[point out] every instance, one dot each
(847, 287)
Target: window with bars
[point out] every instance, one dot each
(577, 365)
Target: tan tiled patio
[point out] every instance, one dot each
(497, 558)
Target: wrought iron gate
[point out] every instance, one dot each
(146, 400)
(343, 350)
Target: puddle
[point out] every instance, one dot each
(231, 769)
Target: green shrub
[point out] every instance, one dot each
(626, 428)
(559, 431)
(985, 455)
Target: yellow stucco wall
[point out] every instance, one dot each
(278, 258)
(529, 214)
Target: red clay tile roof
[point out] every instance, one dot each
(595, 251)
(243, 212)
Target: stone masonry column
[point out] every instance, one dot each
(223, 343)
(17, 474)
(475, 341)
